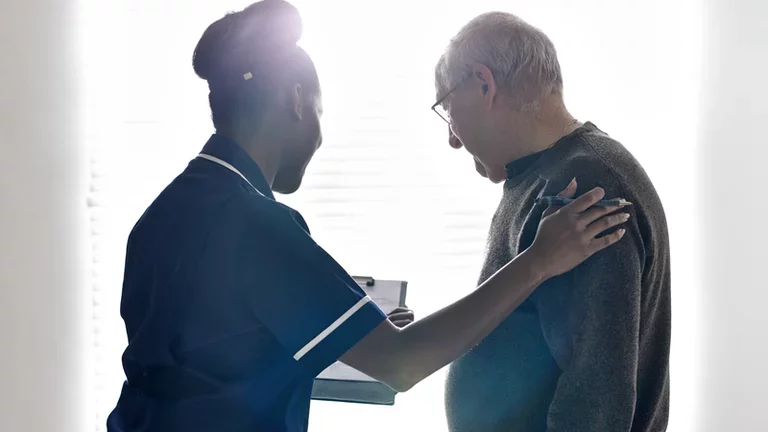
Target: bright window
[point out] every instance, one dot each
(385, 195)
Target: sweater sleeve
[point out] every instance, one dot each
(590, 318)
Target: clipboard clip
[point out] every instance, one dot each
(367, 280)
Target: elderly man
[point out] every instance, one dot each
(588, 351)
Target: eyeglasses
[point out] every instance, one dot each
(438, 107)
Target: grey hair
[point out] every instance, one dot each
(521, 58)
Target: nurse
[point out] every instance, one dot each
(232, 309)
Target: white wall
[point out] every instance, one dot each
(732, 156)
(41, 220)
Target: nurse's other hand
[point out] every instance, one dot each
(567, 236)
(401, 317)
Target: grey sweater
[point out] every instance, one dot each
(588, 350)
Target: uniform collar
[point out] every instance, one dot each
(229, 151)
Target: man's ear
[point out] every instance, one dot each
(484, 79)
(297, 102)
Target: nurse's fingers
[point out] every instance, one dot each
(401, 316)
(585, 201)
(568, 192)
(400, 310)
(407, 315)
(401, 324)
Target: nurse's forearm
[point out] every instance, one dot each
(403, 357)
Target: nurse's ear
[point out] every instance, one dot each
(298, 102)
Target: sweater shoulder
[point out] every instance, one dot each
(595, 159)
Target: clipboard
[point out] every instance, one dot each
(342, 383)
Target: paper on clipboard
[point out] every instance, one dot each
(343, 383)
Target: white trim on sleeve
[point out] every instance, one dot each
(324, 334)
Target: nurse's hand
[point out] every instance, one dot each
(401, 317)
(567, 235)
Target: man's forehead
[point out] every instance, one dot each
(440, 88)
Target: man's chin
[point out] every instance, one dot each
(496, 176)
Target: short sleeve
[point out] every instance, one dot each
(298, 291)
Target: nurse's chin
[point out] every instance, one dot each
(286, 188)
(287, 185)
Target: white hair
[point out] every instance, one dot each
(521, 58)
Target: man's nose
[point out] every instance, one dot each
(454, 141)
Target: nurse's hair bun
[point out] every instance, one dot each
(247, 40)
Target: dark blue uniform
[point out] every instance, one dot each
(231, 308)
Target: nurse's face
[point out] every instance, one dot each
(305, 138)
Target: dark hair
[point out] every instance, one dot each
(247, 56)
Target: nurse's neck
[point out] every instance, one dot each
(262, 149)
